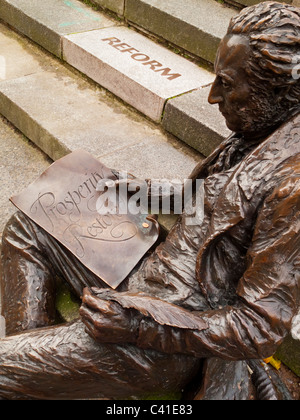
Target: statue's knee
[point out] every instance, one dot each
(18, 233)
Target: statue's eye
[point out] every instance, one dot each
(225, 84)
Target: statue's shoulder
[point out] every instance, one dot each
(285, 141)
(272, 162)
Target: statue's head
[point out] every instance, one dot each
(257, 85)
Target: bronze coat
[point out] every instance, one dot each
(248, 265)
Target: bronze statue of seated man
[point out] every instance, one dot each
(236, 276)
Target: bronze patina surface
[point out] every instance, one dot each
(64, 200)
(223, 292)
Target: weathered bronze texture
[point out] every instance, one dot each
(225, 291)
(70, 212)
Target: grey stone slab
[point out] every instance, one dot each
(45, 22)
(18, 57)
(60, 115)
(195, 25)
(116, 6)
(200, 125)
(155, 157)
(52, 110)
(20, 164)
(61, 112)
(136, 69)
(14, 59)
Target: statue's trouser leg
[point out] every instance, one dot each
(225, 380)
(31, 260)
(65, 363)
(27, 280)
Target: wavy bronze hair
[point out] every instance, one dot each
(273, 30)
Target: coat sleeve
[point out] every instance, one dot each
(268, 292)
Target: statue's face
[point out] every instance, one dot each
(247, 109)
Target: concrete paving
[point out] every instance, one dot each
(46, 22)
(20, 164)
(120, 4)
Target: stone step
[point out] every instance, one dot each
(197, 26)
(136, 69)
(194, 25)
(190, 118)
(61, 112)
(116, 6)
(47, 21)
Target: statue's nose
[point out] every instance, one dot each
(215, 95)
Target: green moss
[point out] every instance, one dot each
(289, 354)
(176, 396)
(67, 305)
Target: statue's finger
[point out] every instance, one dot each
(96, 303)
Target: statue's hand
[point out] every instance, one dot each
(108, 322)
